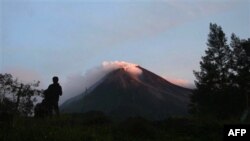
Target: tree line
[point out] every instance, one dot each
(16, 97)
(223, 81)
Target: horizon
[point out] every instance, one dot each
(41, 39)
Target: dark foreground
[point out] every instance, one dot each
(98, 127)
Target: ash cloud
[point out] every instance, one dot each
(76, 84)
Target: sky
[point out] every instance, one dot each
(43, 38)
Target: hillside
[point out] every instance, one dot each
(121, 94)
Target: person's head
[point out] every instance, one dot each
(55, 79)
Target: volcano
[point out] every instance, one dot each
(122, 94)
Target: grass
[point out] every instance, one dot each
(98, 127)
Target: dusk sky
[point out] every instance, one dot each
(43, 38)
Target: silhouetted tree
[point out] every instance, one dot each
(17, 97)
(215, 95)
(246, 46)
(241, 68)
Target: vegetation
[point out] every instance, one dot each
(16, 97)
(224, 77)
(98, 127)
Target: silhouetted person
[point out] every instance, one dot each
(52, 95)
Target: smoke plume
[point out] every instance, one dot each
(78, 83)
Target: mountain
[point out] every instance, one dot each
(122, 94)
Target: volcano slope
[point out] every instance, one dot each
(121, 94)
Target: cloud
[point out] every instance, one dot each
(142, 20)
(128, 67)
(180, 82)
(77, 83)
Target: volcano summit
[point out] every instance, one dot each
(129, 92)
